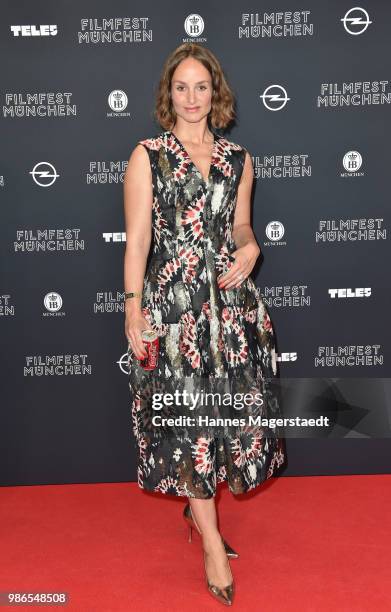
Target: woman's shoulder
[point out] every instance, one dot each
(230, 145)
(153, 142)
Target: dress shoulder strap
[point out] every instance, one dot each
(152, 144)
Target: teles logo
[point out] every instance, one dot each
(33, 30)
(44, 174)
(114, 236)
(356, 21)
(194, 25)
(286, 357)
(274, 97)
(347, 292)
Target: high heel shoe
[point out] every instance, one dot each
(223, 594)
(187, 515)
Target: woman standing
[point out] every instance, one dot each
(189, 189)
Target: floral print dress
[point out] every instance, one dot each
(204, 332)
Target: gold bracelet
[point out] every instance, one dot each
(133, 294)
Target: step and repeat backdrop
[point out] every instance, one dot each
(313, 90)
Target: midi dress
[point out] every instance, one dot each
(213, 338)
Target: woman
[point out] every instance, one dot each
(190, 189)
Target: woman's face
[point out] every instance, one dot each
(191, 90)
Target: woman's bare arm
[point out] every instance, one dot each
(248, 250)
(242, 232)
(138, 196)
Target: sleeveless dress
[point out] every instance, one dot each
(204, 332)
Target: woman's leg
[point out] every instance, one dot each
(216, 562)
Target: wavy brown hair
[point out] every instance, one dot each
(222, 105)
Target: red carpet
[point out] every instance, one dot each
(306, 544)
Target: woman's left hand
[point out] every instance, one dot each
(245, 258)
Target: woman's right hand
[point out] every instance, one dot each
(135, 323)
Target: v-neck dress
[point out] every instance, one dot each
(205, 333)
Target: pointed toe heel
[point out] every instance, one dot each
(224, 595)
